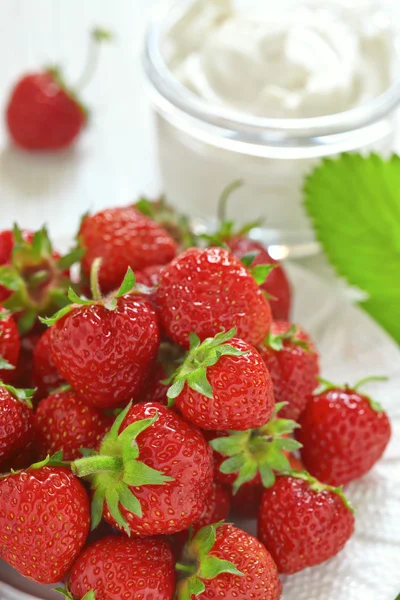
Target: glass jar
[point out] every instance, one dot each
(203, 147)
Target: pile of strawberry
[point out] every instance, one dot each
(153, 392)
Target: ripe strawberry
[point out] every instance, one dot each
(16, 422)
(303, 522)
(64, 422)
(292, 360)
(152, 473)
(36, 277)
(44, 521)
(223, 385)
(225, 562)
(253, 456)
(105, 348)
(43, 113)
(246, 502)
(343, 432)
(23, 374)
(117, 567)
(276, 285)
(150, 276)
(10, 345)
(122, 237)
(215, 509)
(46, 376)
(206, 291)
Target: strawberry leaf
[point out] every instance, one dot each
(74, 256)
(23, 395)
(260, 272)
(248, 259)
(354, 202)
(5, 365)
(128, 283)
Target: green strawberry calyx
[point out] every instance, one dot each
(116, 468)
(258, 451)
(23, 395)
(325, 386)
(50, 461)
(67, 594)
(201, 356)
(260, 273)
(36, 279)
(277, 342)
(318, 487)
(110, 302)
(5, 365)
(175, 223)
(199, 564)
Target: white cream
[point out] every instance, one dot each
(282, 59)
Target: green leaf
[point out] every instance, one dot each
(204, 539)
(233, 464)
(75, 299)
(99, 34)
(197, 381)
(23, 395)
(212, 566)
(26, 321)
(248, 259)
(66, 261)
(59, 315)
(354, 203)
(114, 431)
(175, 389)
(246, 473)
(5, 365)
(112, 500)
(97, 506)
(128, 283)
(260, 273)
(137, 474)
(10, 278)
(195, 587)
(227, 446)
(131, 432)
(129, 501)
(267, 475)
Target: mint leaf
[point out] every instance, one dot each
(354, 203)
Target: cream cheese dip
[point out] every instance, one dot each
(260, 90)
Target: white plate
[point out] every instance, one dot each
(352, 346)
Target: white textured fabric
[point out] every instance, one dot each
(352, 346)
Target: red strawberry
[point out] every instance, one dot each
(16, 422)
(343, 432)
(64, 422)
(276, 285)
(105, 348)
(45, 373)
(292, 360)
(10, 345)
(215, 509)
(206, 291)
(36, 276)
(152, 473)
(253, 456)
(44, 521)
(23, 374)
(246, 502)
(223, 385)
(225, 562)
(303, 522)
(43, 113)
(116, 567)
(122, 237)
(150, 276)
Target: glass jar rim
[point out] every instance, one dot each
(187, 102)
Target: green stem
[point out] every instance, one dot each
(223, 200)
(92, 60)
(362, 382)
(185, 568)
(94, 279)
(96, 464)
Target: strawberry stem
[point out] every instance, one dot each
(223, 200)
(94, 279)
(97, 36)
(96, 464)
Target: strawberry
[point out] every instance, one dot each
(45, 373)
(10, 345)
(151, 474)
(223, 385)
(105, 348)
(292, 360)
(206, 291)
(7, 242)
(215, 509)
(303, 522)
(343, 432)
(44, 521)
(64, 422)
(117, 567)
(277, 284)
(36, 277)
(43, 113)
(150, 276)
(254, 455)
(223, 561)
(16, 422)
(246, 502)
(122, 237)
